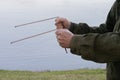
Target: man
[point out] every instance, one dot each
(100, 44)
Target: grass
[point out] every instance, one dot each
(82, 74)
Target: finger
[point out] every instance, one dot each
(58, 38)
(56, 20)
(60, 42)
(59, 25)
(59, 20)
(62, 45)
(58, 32)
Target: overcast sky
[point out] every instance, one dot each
(43, 48)
(48, 3)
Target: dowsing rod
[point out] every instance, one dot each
(36, 34)
(34, 22)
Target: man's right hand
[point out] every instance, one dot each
(62, 23)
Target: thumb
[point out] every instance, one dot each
(59, 25)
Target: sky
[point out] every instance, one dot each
(44, 52)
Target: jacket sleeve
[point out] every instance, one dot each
(83, 28)
(98, 44)
(97, 47)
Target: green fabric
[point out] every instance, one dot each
(100, 44)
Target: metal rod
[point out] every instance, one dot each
(34, 22)
(36, 34)
(66, 50)
(31, 36)
(64, 27)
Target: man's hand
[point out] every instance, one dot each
(62, 23)
(64, 37)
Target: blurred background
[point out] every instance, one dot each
(43, 52)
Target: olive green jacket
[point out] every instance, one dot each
(100, 44)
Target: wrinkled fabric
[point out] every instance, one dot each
(100, 44)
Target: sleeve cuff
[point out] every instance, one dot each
(83, 45)
(72, 26)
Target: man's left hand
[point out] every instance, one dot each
(64, 37)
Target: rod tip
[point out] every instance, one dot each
(11, 43)
(15, 26)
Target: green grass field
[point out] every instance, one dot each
(82, 74)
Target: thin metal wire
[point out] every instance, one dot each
(32, 36)
(34, 22)
(66, 50)
(36, 34)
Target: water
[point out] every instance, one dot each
(43, 52)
